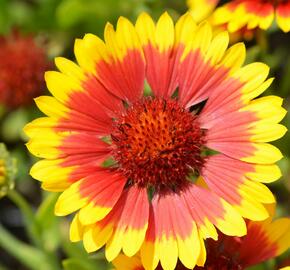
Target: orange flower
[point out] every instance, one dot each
(199, 120)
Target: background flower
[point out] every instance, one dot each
(253, 14)
(201, 9)
(22, 66)
(7, 171)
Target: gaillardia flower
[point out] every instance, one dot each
(22, 68)
(128, 162)
(264, 240)
(253, 14)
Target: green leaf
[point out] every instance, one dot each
(48, 223)
(26, 254)
(70, 12)
(13, 124)
(20, 13)
(81, 264)
(28, 216)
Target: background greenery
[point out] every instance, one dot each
(31, 237)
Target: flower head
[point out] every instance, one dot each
(253, 14)
(7, 171)
(264, 240)
(200, 122)
(22, 67)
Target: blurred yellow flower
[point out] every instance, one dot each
(253, 14)
(201, 9)
(7, 171)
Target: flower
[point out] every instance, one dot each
(128, 162)
(201, 9)
(253, 14)
(22, 67)
(7, 171)
(204, 10)
(265, 240)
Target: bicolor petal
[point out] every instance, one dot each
(123, 228)
(171, 234)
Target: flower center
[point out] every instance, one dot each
(157, 143)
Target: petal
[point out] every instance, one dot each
(198, 75)
(158, 46)
(234, 93)
(260, 153)
(103, 189)
(129, 231)
(202, 256)
(76, 229)
(129, 263)
(61, 86)
(98, 94)
(171, 234)
(252, 76)
(59, 174)
(205, 69)
(225, 176)
(201, 9)
(123, 228)
(78, 116)
(267, 109)
(283, 16)
(97, 235)
(95, 195)
(234, 57)
(207, 209)
(51, 145)
(262, 15)
(93, 91)
(51, 171)
(51, 106)
(70, 200)
(89, 51)
(69, 68)
(70, 91)
(255, 122)
(124, 74)
(265, 173)
(265, 241)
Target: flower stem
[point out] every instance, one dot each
(28, 215)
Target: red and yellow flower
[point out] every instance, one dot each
(127, 163)
(237, 14)
(265, 240)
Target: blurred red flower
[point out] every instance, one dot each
(22, 67)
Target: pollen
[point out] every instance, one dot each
(157, 143)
